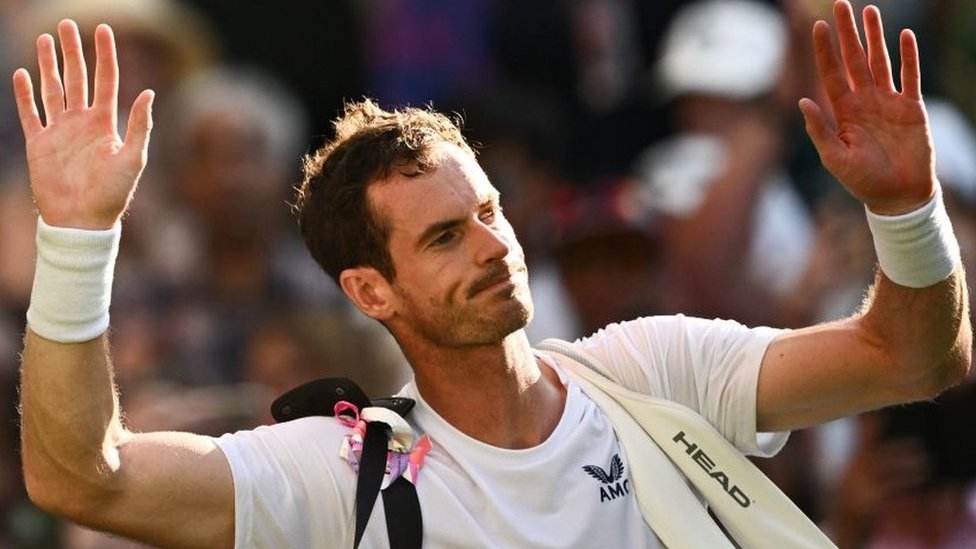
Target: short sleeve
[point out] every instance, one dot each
(710, 366)
(291, 489)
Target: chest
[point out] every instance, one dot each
(575, 490)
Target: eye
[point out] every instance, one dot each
(489, 213)
(443, 239)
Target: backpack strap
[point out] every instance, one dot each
(404, 522)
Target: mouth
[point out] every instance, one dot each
(495, 279)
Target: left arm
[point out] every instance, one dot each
(907, 343)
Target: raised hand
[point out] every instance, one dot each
(878, 145)
(82, 173)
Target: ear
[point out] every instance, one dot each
(368, 290)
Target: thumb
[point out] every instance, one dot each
(820, 132)
(140, 125)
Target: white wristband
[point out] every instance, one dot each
(72, 282)
(916, 249)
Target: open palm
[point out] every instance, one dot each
(879, 146)
(82, 173)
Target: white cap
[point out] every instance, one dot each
(731, 48)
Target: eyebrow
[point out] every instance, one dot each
(437, 228)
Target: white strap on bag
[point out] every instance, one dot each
(754, 511)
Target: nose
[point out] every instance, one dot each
(493, 242)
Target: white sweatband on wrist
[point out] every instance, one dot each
(916, 249)
(72, 282)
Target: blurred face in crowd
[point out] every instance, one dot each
(229, 177)
(460, 278)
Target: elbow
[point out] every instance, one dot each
(39, 493)
(53, 489)
(947, 371)
(959, 363)
(51, 496)
(73, 503)
(945, 376)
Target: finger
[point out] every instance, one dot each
(106, 72)
(828, 65)
(911, 79)
(30, 119)
(75, 72)
(850, 45)
(820, 131)
(139, 127)
(52, 92)
(877, 49)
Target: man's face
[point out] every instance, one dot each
(461, 277)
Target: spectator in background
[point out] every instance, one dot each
(602, 237)
(737, 234)
(229, 151)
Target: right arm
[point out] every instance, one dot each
(171, 489)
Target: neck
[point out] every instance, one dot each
(498, 394)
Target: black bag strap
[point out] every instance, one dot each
(372, 466)
(404, 522)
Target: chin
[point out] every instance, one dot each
(516, 319)
(497, 326)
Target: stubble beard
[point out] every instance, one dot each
(471, 327)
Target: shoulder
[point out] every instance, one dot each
(672, 336)
(290, 448)
(670, 355)
(306, 433)
(291, 486)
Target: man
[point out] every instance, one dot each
(511, 435)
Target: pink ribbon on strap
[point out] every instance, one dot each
(400, 460)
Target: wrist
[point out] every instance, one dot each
(918, 248)
(70, 220)
(72, 282)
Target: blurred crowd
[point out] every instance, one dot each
(650, 156)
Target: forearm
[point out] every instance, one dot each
(925, 332)
(70, 415)
(909, 343)
(70, 424)
(919, 306)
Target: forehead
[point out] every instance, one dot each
(455, 186)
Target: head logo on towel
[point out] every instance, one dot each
(708, 465)
(612, 486)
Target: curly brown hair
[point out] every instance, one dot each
(340, 228)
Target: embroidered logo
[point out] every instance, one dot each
(611, 485)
